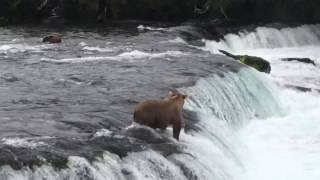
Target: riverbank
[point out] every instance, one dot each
(103, 11)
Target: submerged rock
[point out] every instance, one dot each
(304, 60)
(52, 39)
(258, 63)
(302, 89)
(9, 78)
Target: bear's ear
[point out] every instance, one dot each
(172, 95)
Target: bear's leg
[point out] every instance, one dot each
(176, 129)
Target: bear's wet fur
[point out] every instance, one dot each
(52, 39)
(161, 113)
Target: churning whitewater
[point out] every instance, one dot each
(67, 109)
(283, 147)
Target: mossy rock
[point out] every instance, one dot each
(256, 62)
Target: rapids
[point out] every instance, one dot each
(66, 110)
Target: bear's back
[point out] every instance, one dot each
(149, 111)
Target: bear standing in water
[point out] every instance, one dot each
(161, 113)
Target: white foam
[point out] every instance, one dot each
(17, 48)
(109, 166)
(103, 132)
(75, 60)
(264, 37)
(146, 165)
(288, 147)
(142, 27)
(5, 47)
(150, 165)
(83, 44)
(210, 158)
(97, 48)
(178, 40)
(16, 40)
(135, 54)
(24, 142)
(129, 56)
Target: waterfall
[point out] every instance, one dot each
(222, 103)
(234, 98)
(281, 147)
(265, 37)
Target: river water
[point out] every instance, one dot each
(66, 109)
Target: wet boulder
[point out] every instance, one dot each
(303, 60)
(52, 39)
(301, 88)
(235, 57)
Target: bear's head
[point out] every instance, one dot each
(177, 98)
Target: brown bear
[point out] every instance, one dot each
(161, 113)
(52, 39)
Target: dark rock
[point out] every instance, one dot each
(236, 57)
(301, 88)
(146, 134)
(119, 146)
(304, 60)
(10, 78)
(52, 39)
(20, 157)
